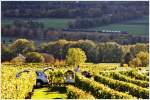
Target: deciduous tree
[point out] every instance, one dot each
(75, 56)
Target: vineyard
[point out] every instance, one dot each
(74, 50)
(107, 82)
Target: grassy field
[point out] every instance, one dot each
(143, 20)
(138, 27)
(48, 22)
(44, 93)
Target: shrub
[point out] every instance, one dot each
(123, 86)
(59, 63)
(118, 76)
(136, 62)
(48, 58)
(99, 90)
(6, 53)
(141, 60)
(125, 65)
(16, 88)
(56, 76)
(136, 75)
(144, 57)
(76, 93)
(22, 46)
(34, 57)
(17, 60)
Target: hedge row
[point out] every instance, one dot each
(100, 91)
(13, 87)
(123, 86)
(55, 76)
(76, 93)
(118, 76)
(135, 75)
(121, 77)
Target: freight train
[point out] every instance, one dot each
(99, 31)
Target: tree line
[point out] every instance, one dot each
(86, 14)
(83, 23)
(36, 30)
(72, 9)
(23, 29)
(109, 52)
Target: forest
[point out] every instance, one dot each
(86, 14)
